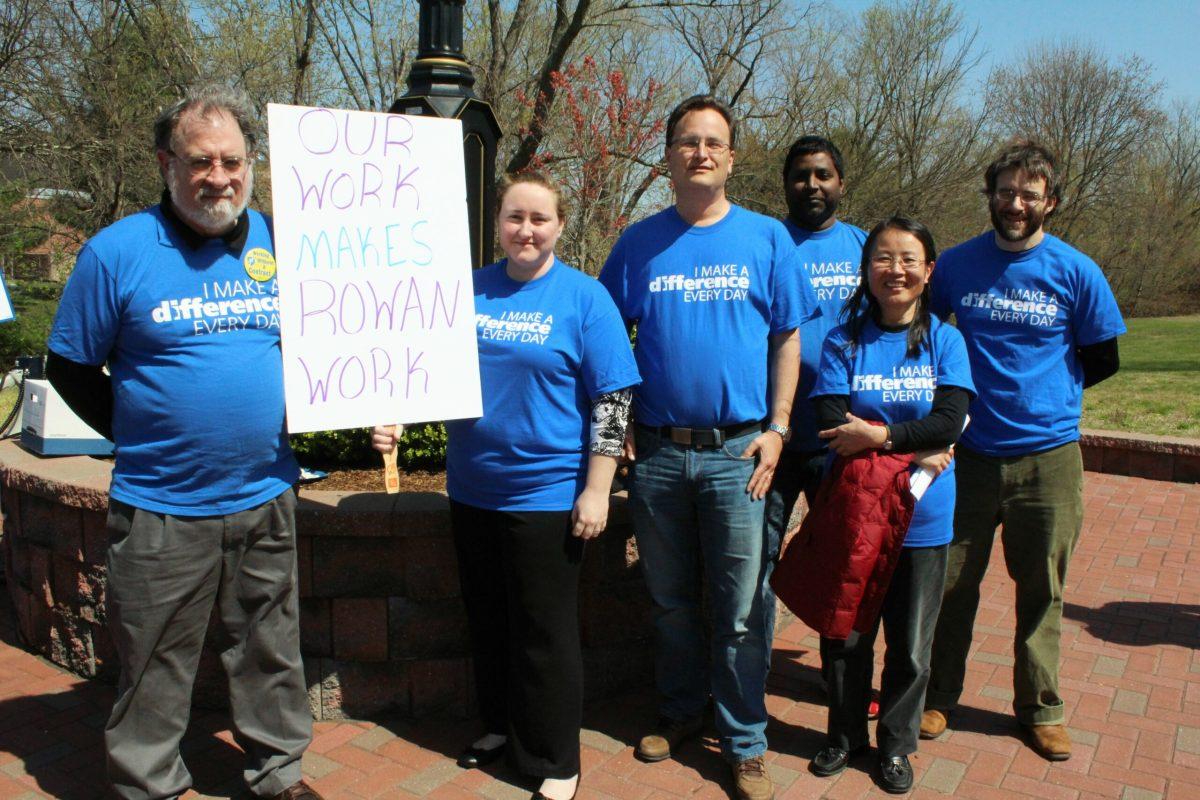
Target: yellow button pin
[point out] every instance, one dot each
(260, 264)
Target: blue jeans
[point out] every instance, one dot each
(698, 530)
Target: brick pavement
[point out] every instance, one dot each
(1131, 680)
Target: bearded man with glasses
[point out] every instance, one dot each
(179, 301)
(1041, 324)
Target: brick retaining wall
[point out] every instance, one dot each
(382, 626)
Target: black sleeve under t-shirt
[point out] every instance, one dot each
(85, 389)
(941, 428)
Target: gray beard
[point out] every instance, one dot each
(218, 216)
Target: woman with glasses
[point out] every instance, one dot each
(529, 483)
(893, 364)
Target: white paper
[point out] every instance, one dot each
(372, 249)
(6, 309)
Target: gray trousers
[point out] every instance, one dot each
(164, 575)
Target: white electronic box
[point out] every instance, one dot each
(49, 428)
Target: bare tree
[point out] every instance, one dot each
(728, 39)
(367, 47)
(908, 135)
(1094, 114)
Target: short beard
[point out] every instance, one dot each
(802, 217)
(202, 216)
(1033, 221)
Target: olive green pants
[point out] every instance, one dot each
(1038, 501)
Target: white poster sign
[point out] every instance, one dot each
(373, 252)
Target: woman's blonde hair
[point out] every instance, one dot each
(537, 179)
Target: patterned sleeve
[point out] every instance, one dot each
(610, 415)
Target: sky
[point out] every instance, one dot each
(1163, 32)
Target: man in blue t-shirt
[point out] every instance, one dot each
(179, 301)
(1041, 324)
(709, 287)
(830, 252)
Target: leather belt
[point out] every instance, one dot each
(705, 437)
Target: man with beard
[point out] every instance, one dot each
(1041, 324)
(829, 254)
(179, 301)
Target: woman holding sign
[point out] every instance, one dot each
(529, 483)
(895, 364)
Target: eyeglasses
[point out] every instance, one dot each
(1028, 198)
(689, 145)
(886, 262)
(204, 165)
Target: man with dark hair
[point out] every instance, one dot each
(709, 286)
(1041, 324)
(201, 504)
(829, 252)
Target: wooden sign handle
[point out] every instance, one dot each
(391, 475)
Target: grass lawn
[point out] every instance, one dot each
(7, 398)
(1157, 389)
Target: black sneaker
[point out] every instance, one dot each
(895, 774)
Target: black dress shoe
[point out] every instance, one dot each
(832, 760)
(474, 757)
(895, 774)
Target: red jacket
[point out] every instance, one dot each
(836, 569)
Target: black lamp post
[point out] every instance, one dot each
(439, 84)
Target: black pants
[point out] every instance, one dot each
(520, 582)
(910, 611)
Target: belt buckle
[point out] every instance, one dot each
(681, 436)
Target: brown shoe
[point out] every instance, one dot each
(752, 781)
(298, 791)
(668, 735)
(1051, 742)
(933, 723)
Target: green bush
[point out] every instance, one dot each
(34, 303)
(423, 447)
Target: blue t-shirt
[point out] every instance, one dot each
(887, 385)
(1022, 316)
(192, 341)
(547, 348)
(705, 300)
(829, 262)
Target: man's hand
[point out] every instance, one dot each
(385, 437)
(590, 514)
(855, 436)
(767, 446)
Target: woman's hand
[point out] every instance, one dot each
(385, 437)
(855, 436)
(936, 461)
(590, 513)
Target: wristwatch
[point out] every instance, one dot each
(887, 442)
(784, 431)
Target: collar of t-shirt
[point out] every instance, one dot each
(808, 234)
(892, 328)
(234, 238)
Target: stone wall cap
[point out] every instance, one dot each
(1144, 442)
(83, 482)
(80, 481)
